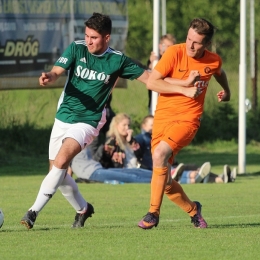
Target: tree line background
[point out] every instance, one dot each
(27, 115)
(225, 16)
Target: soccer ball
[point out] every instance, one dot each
(1, 218)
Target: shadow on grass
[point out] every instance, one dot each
(25, 165)
(241, 225)
(26, 230)
(254, 174)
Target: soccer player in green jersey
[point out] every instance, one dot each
(93, 69)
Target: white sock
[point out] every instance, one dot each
(70, 191)
(48, 188)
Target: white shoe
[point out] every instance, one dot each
(234, 174)
(203, 172)
(226, 173)
(177, 172)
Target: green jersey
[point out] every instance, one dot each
(90, 81)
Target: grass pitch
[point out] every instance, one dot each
(231, 210)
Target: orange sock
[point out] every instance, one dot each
(176, 194)
(158, 181)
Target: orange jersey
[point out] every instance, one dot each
(176, 64)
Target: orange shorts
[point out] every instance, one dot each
(176, 134)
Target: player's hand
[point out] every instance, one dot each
(193, 77)
(191, 92)
(223, 96)
(44, 79)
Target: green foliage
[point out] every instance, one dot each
(224, 14)
(27, 115)
(25, 127)
(221, 124)
(24, 138)
(140, 30)
(253, 123)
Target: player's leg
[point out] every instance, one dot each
(178, 136)
(84, 134)
(70, 191)
(50, 164)
(56, 174)
(66, 141)
(161, 171)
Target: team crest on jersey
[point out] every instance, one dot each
(207, 70)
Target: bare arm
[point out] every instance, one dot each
(193, 77)
(225, 94)
(144, 77)
(50, 77)
(157, 83)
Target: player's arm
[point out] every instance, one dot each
(193, 77)
(50, 77)
(144, 77)
(157, 83)
(225, 94)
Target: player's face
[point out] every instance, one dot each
(195, 45)
(123, 127)
(96, 43)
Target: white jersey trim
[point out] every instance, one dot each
(82, 42)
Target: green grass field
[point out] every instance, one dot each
(112, 232)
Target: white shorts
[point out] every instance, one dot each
(81, 132)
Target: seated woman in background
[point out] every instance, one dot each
(116, 159)
(120, 149)
(88, 170)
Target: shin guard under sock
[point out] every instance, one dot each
(158, 181)
(70, 191)
(176, 194)
(48, 188)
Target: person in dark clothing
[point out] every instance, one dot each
(144, 140)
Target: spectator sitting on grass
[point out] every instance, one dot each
(88, 170)
(191, 174)
(120, 149)
(116, 159)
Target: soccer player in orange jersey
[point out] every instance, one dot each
(181, 77)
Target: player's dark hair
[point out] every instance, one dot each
(100, 23)
(203, 27)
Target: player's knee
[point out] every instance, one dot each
(61, 162)
(159, 157)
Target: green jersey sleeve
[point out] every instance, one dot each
(67, 58)
(129, 69)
